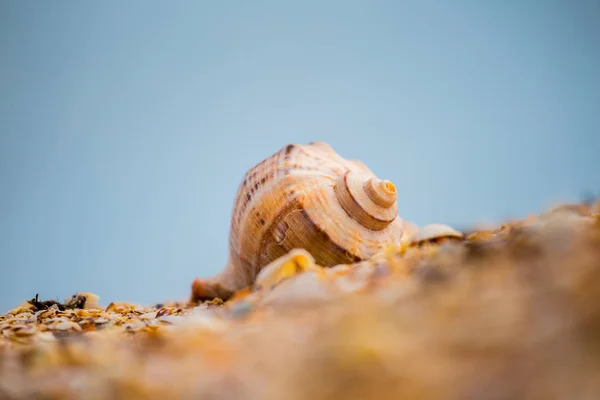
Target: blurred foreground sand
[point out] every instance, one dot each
(509, 313)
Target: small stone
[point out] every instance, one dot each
(101, 321)
(23, 330)
(66, 326)
(307, 288)
(149, 315)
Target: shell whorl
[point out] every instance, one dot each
(369, 200)
(308, 196)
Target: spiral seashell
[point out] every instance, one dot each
(305, 197)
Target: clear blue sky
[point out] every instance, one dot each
(126, 127)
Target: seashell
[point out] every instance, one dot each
(293, 263)
(580, 209)
(305, 197)
(435, 232)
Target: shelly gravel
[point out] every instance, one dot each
(503, 313)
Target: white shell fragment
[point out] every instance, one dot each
(435, 232)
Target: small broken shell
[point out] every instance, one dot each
(291, 264)
(435, 233)
(582, 210)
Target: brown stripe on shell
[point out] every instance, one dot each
(254, 171)
(314, 156)
(297, 167)
(288, 149)
(262, 182)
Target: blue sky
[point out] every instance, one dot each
(126, 127)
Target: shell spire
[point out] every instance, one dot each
(367, 199)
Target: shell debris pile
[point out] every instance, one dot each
(506, 312)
